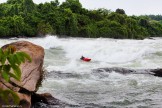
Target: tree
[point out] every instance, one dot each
(120, 11)
(23, 17)
(160, 21)
(120, 18)
(104, 12)
(74, 5)
(55, 3)
(16, 24)
(144, 22)
(4, 31)
(73, 28)
(95, 15)
(28, 6)
(90, 31)
(14, 1)
(44, 28)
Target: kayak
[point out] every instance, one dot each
(86, 59)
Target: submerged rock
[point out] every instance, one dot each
(155, 72)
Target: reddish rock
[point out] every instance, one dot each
(32, 72)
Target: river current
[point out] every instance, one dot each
(73, 81)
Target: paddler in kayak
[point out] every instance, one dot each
(85, 59)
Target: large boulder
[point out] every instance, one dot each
(32, 72)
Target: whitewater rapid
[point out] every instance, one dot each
(105, 52)
(73, 81)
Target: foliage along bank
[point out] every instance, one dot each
(25, 18)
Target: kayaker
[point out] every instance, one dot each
(82, 58)
(85, 59)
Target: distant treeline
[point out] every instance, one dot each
(155, 17)
(25, 18)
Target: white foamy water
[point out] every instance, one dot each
(74, 82)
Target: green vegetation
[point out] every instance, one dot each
(10, 61)
(155, 17)
(25, 18)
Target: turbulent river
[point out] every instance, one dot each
(73, 81)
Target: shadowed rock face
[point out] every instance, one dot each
(46, 100)
(31, 72)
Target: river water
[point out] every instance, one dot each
(74, 82)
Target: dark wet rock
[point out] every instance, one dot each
(151, 38)
(155, 72)
(115, 69)
(60, 74)
(46, 100)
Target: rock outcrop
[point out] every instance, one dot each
(46, 100)
(155, 72)
(32, 73)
